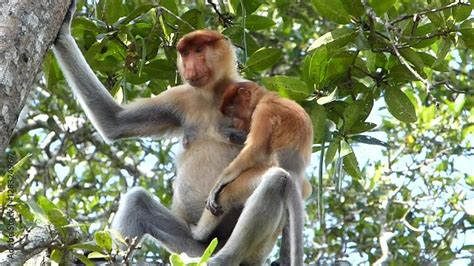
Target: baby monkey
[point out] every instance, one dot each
(280, 134)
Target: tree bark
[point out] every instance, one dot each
(27, 30)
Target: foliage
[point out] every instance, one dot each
(183, 259)
(388, 85)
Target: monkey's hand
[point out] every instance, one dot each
(211, 204)
(198, 233)
(65, 29)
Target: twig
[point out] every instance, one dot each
(389, 28)
(244, 15)
(176, 17)
(223, 18)
(404, 62)
(384, 236)
(429, 11)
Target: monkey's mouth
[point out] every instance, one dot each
(198, 80)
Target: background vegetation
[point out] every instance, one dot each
(389, 85)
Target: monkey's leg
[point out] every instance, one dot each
(235, 194)
(139, 214)
(259, 222)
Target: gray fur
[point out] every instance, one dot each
(198, 167)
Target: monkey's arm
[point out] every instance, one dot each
(256, 150)
(113, 121)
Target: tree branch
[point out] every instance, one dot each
(429, 11)
(37, 240)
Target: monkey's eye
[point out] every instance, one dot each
(199, 49)
(185, 53)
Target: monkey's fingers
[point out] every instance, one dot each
(214, 207)
(66, 26)
(70, 12)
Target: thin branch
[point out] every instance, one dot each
(223, 18)
(175, 16)
(30, 126)
(39, 239)
(88, 219)
(389, 28)
(429, 11)
(404, 62)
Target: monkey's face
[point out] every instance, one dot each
(194, 66)
(195, 57)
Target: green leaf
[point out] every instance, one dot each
(430, 61)
(97, 255)
(209, 250)
(19, 165)
(170, 5)
(399, 105)
(52, 73)
(335, 39)
(352, 114)
(236, 34)
(459, 103)
(45, 204)
(350, 165)
(445, 255)
(421, 31)
(436, 18)
(470, 182)
(141, 10)
(362, 127)
(467, 33)
(317, 66)
(114, 10)
(249, 5)
(362, 43)
(264, 58)
(369, 140)
(255, 23)
(339, 64)
(443, 49)
(24, 210)
(331, 152)
(289, 87)
(194, 17)
(57, 255)
(103, 239)
(333, 10)
(318, 117)
(382, 6)
(84, 259)
(87, 24)
(160, 69)
(176, 260)
(371, 61)
(57, 218)
(411, 56)
(461, 13)
(353, 7)
(401, 74)
(355, 113)
(86, 246)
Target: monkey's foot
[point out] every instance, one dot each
(200, 234)
(211, 204)
(214, 207)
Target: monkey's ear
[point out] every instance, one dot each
(245, 93)
(228, 98)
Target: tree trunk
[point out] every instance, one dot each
(27, 30)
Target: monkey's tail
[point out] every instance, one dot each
(294, 202)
